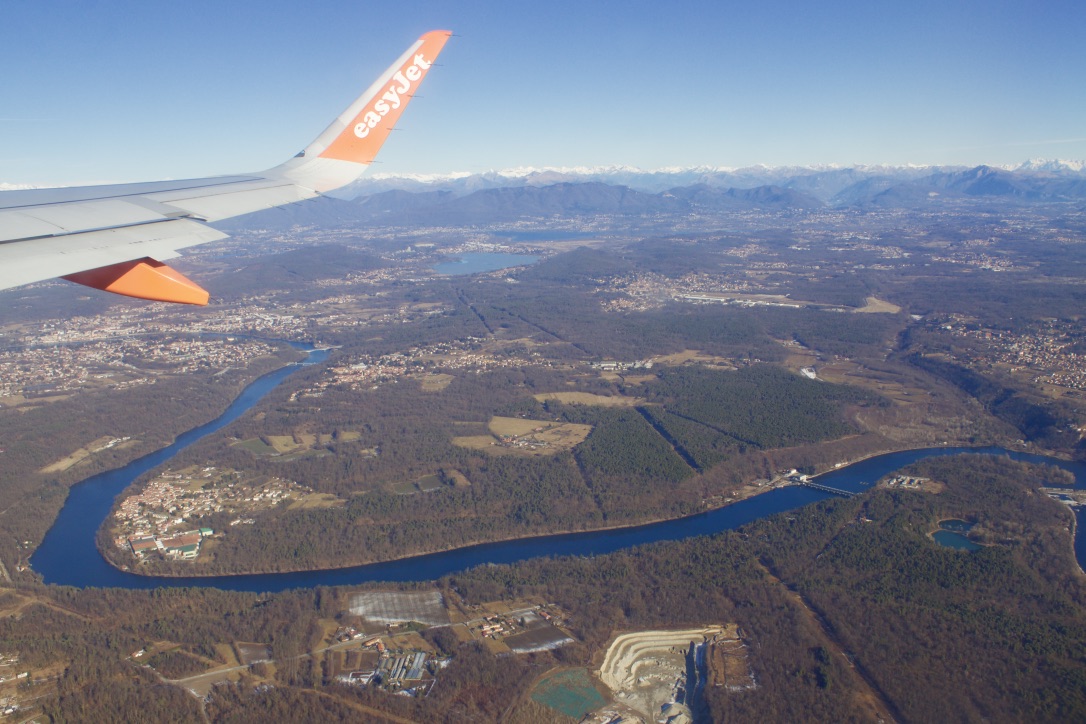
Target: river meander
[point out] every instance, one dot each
(68, 554)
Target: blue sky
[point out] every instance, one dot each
(109, 91)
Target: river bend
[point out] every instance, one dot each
(68, 555)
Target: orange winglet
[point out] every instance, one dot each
(144, 279)
(362, 138)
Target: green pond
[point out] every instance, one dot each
(950, 535)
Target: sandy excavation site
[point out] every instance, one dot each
(659, 674)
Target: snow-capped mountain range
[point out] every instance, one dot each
(506, 196)
(821, 181)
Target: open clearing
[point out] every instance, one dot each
(316, 500)
(102, 443)
(877, 306)
(436, 481)
(435, 383)
(887, 383)
(252, 653)
(295, 445)
(587, 398)
(474, 442)
(459, 480)
(518, 436)
(693, 356)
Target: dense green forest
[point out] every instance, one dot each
(760, 406)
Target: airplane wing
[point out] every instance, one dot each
(111, 237)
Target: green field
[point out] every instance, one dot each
(256, 446)
(430, 482)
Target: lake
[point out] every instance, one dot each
(951, 534)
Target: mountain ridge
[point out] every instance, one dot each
(483, 199)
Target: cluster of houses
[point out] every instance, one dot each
(150, 520)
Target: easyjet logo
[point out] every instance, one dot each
(394, 96)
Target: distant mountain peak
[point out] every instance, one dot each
(1049, 165)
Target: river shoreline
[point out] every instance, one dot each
(745, 492)
(65, 558)
(750, 492)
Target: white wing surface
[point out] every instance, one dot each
(113, 237)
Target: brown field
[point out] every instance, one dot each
(435, 383)
(286, 443)
(693, 356)
(504, 608)
(889, 385)
(34, 402)
(299, 442)
(798, 358)
(475, 442)
(462, 632)
(458, 478)
(878, 306)
(83, 453)
(518, 426)
(409, 641)
(497, 648)
(517, 436)
(315, 500)
(587, 398)
(226, 653)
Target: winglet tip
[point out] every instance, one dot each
(143, 279)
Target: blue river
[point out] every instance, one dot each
(68, 554)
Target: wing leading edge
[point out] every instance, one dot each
(112, 237)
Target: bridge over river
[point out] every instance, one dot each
(827, 488)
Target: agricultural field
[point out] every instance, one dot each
(519, 436)
(296, 445)
(691, 357)
(315, 500)
(878, 306)
(85, 452)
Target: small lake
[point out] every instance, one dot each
(951, 534)
(476, 262)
